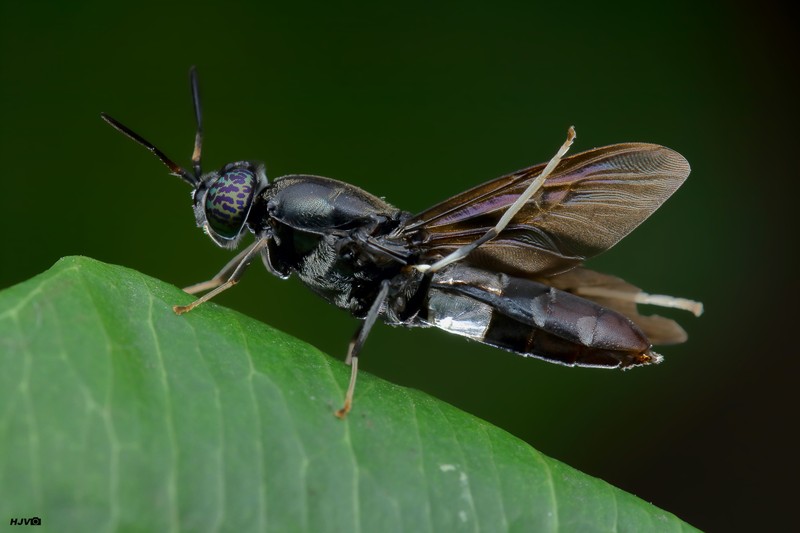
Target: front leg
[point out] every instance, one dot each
(234, 270)
(221, 276)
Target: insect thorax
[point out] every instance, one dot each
(333, 267)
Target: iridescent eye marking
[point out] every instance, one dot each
(228, 201)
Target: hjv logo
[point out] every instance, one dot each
(33, 521)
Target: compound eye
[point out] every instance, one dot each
(228, 201)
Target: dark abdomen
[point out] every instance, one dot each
(533, 319)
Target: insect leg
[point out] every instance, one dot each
(357, 342)
(221, 276)
(234, 270)
(512, 210)
(661, 300)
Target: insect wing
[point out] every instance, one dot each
(589, 202)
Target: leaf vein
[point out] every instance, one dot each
(172, 486)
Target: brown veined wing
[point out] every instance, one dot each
(589, 202)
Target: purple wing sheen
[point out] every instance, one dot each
(590, 202)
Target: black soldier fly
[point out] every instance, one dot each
(499, 263)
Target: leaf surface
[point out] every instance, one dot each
(115, 413)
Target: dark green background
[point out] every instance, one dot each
(416, 102)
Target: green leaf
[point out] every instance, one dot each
(115, 413)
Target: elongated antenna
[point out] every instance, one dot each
(174, 168)
(198, 114)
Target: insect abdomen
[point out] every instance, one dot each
(534, 319)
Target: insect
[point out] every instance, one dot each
(499, 263)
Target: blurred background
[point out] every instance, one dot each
(418, 102)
